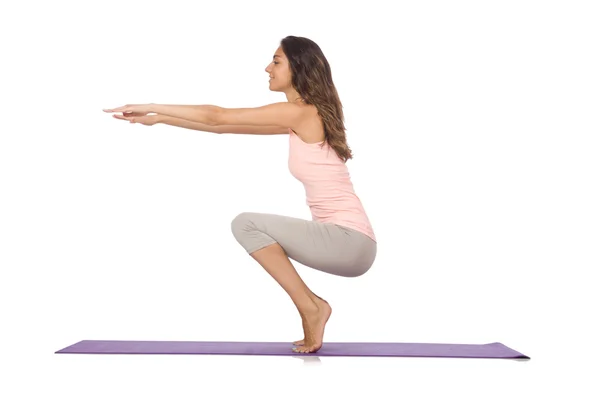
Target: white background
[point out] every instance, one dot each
(475, 132)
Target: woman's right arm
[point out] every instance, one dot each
(222, 129)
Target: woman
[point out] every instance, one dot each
(339, 239)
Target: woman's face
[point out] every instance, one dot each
(279, 72)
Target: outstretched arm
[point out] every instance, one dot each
(282, 114)
(222, 129)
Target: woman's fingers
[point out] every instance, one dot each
(145, 120)
(119, 109)
(125, 116)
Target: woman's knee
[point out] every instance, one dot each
(241, 223)
(248, 233)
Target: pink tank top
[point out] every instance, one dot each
(329, 191)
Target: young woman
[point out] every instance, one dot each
(339, 239)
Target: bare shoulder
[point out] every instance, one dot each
(310, 128)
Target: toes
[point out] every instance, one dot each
(304, 349)
(300, 349)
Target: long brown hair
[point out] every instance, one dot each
(311, 77)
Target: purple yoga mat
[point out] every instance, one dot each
(374, 349)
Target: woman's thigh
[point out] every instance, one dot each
(322, 246)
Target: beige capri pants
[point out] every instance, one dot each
(327, 247)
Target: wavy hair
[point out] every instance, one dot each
(311, 78)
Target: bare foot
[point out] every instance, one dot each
(314, 327)
(304, 325)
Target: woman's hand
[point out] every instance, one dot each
(138, 118)
(135, 114)
(147, 108)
